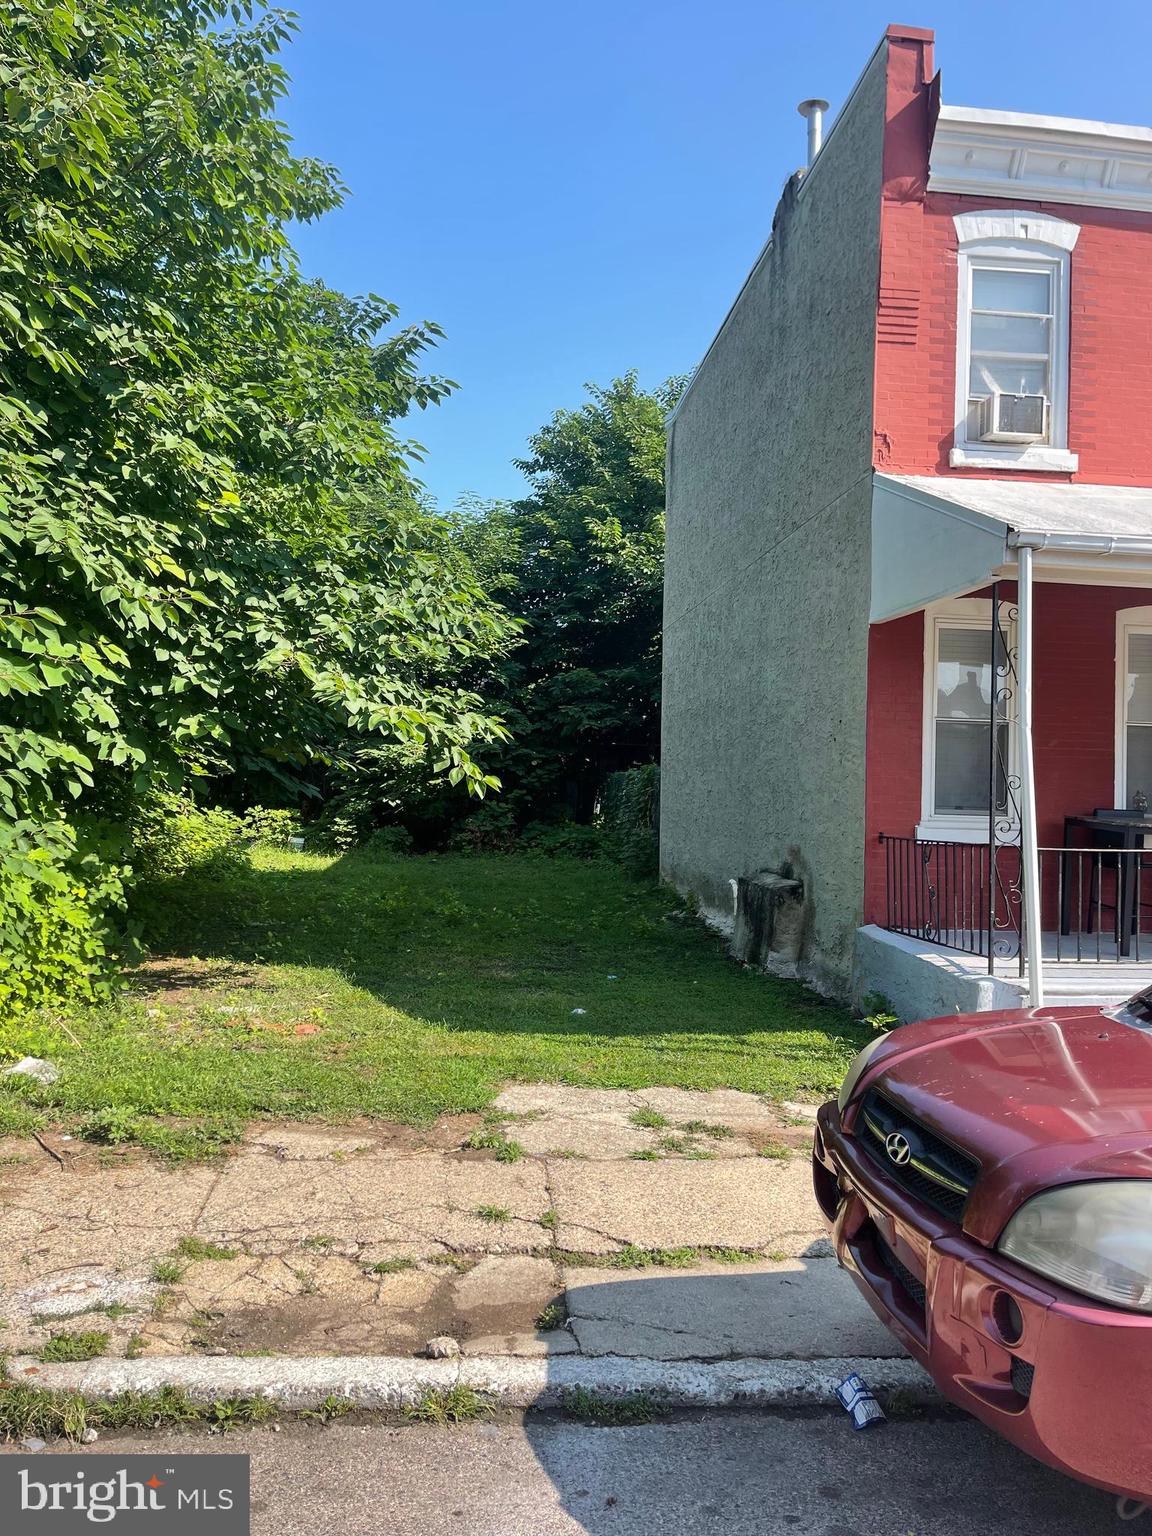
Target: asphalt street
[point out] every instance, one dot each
(740, 1475)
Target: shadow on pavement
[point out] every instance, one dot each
(923, 1473)
(759, 1475)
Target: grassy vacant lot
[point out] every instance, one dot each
(407, 987)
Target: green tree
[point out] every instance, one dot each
(583, 569)
(210, 543)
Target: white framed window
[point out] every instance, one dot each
(959, 682)
(1012, 331)
(1133, 705)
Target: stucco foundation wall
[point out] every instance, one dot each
(919, 981)
(768, 549)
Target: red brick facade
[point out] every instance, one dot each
(1110, 361)
(1110, 407)
(1074, 712)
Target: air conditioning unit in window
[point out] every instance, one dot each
(1013, 418)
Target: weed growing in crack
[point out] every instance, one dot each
(391, 1266)
(62, 1347)
(494, 1140)
(485, 1140)
(449, 1405)
(633, 1257)
(708, 1128)
(493, 1213)
(167, 1271)
(646, 1155)
(612, 1412)
(549, 1221)
(776, 1150)
(332, 1407)
(675, 1144)
(26, 1410)
(198, 1249)
(460, 1262)
(650, 1119)
(552, 1317)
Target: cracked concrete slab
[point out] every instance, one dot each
(746, 1203)
(787, 1310)
(404, 1199)
(370, 1239)
(582, 1137)
(54, 1221)
(606, 1123)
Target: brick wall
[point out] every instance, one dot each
(1110, 353)
(1074, 717)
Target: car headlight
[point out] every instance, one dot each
(1095, 1238)
(856, 1071)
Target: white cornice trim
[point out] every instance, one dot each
(1015, 224)
(1041, 123)
(1055, 159)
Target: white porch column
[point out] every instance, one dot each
(1030, 858)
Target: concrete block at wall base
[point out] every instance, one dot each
(923, 981)
(769, 923)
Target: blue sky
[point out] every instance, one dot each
(572, 190)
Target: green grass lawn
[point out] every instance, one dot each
(408, 987)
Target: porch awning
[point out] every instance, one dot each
(937, 536)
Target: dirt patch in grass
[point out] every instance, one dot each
(174, 982)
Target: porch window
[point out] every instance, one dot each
(1012, 341)
(1134, 653)
(959, 684)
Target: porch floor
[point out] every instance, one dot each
(925, 979)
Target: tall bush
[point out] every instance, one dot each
(630, 815)
(210, 541)
(60, 938)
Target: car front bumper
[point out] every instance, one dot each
(1066, 1379)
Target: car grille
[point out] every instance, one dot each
(935, 1171)
(914, 1289)
(1022, 1374)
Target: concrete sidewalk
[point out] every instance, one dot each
(369, 1240)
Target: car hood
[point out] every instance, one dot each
(1041, 1097)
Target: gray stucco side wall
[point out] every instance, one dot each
(768, 553)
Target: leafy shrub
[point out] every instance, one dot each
(491, 829)
(630, 816)
(172, 835)
(273, 828)
(563, 839)
(111, 1126)
(59, 919)
(388, 842)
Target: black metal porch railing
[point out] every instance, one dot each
(1095, 903)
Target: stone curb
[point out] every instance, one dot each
(384, 1382)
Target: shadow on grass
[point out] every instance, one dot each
(511, 944)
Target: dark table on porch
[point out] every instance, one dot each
(1126, 831)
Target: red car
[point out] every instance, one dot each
(988, 1179)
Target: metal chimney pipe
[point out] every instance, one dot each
(813, 109)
